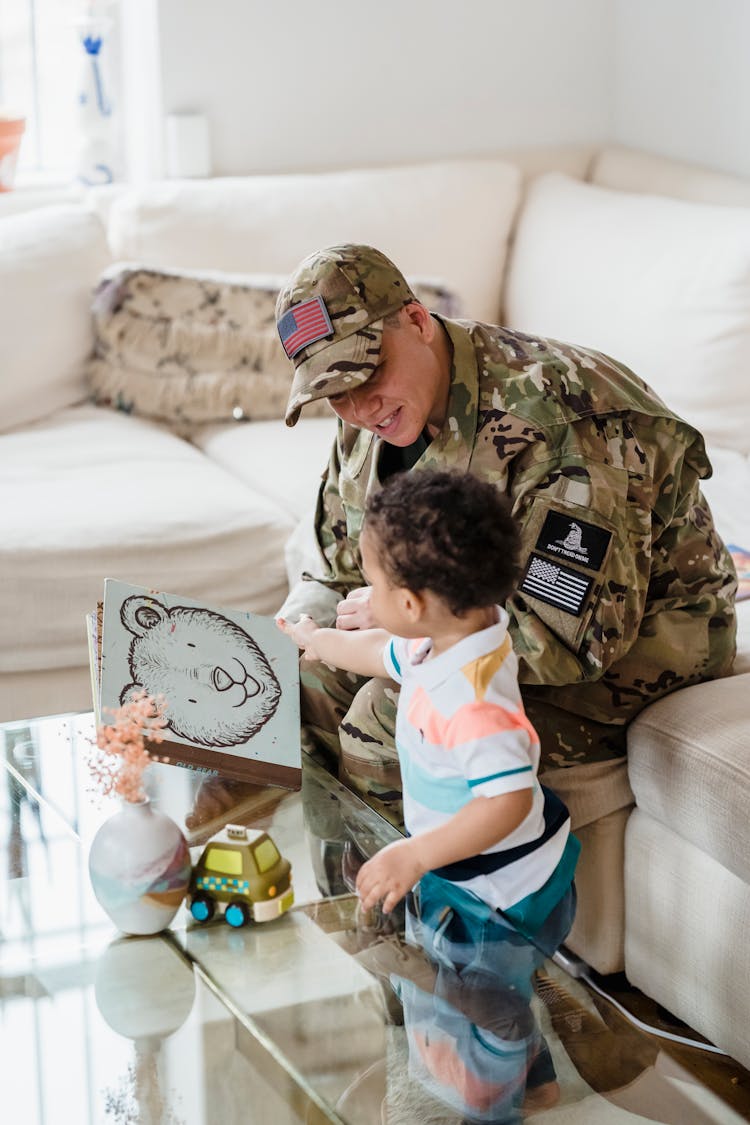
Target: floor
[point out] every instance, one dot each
(614, 1055)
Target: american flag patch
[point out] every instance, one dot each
(303, 324)
(557, 585)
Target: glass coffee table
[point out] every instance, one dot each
(322, 1015)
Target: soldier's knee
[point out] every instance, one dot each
(371, 718)
(369, 761)
(326, 693)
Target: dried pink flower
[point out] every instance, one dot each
(120, 757)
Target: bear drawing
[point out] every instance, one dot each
(218, 686)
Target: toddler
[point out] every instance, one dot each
(439, 551)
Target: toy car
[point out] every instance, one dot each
(241, 871)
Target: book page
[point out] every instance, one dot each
(229, 679)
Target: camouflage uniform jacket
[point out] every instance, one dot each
(627, 591)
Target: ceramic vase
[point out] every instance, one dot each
(139, 864)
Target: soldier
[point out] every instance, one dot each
(627, 592)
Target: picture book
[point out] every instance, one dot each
(229, 680)
(741, 560)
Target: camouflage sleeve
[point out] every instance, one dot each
(313, 598)
(336, 537)
(569, 624)
(626, 590)
(590, 562)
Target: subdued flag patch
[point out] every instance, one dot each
(557, 585)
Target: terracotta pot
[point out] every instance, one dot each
(11, 131)
(139, 865)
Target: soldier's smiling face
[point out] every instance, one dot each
(409, 388)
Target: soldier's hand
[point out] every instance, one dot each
(354, 611)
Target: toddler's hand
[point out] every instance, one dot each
(302, 633)
(389, 875)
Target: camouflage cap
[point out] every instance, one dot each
(336, 348)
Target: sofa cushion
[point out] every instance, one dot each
(626, 169)
(50, 261)
(187, 347)
(727, 490)
(742, 659)
(280, 463)
(660, 284)
(90, 494)
(689, 767)
(446, 219)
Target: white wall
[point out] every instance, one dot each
(333, 83)
(682, 80)
(329, 83)
(140, 70)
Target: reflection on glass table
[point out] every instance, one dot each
(56, 956)
(319, 1015)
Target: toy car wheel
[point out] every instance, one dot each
(237, 914)
(202, 907)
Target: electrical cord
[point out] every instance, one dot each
(647, 1026)
(579, 970)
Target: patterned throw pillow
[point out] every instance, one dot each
(187, 348)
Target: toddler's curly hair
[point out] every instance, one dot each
(446, 532)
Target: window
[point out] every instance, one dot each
(224, 862)
(266, 855)
(41, 71)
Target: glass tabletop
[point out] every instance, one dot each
(322, 1014)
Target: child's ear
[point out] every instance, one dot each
(412, 604)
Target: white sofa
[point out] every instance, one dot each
(638, 256)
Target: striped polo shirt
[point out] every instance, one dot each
(462, 733)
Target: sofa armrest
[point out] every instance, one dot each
(689, 767)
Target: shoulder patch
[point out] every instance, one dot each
(571, 538)
(558, 585)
